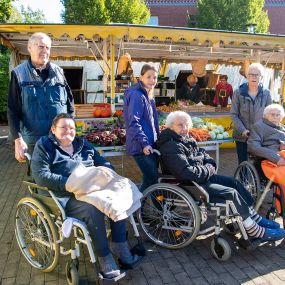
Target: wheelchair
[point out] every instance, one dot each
(172, 214)
(38, 229)
(250, 174)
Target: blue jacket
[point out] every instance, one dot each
(245, 112)
(141, 119)
(51, 165)
(34, 102)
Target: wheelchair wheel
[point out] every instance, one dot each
(169, 216)
(247, 175)
(36, 234)
(71, 270)
(221, 249)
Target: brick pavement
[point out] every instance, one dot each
(191, 265)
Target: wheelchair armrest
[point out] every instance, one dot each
(34, 185)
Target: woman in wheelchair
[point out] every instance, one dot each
(54, 158)
(268, 135)
(182, 158)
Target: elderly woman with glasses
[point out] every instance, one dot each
(54, 158)
(248, 104)
(267, 137)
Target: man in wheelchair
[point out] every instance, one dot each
(54, 158)
(181, 157)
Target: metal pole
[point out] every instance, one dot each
(112, 55)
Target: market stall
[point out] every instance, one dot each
(106, 44)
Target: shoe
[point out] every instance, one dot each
(268, 224)
(137, 259)
(273, 234)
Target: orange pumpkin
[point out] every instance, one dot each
(97, 113)
(106, 113)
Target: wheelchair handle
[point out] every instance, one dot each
(157, 152)
(28, 156)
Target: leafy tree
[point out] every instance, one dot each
(232, 15)
(26, 15)
(105, 11)
(31, 16)
(5, 10)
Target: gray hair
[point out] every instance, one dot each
(258, 67)
(173, 116)
(39, 35)
(271, 107)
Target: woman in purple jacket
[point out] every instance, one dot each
(141, 122)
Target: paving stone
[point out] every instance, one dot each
(8, 281)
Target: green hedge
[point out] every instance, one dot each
(4, 82)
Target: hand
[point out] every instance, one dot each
(281, 161)
(245, 134)
(211, 168)
(147, 150)
(282, 146)
(20, 149)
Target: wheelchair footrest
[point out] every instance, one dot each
(107, 281)
(251, 244)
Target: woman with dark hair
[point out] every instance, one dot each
(53, 161)
(224, 90)
(141, 121)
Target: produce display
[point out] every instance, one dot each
(202, 130)
(107, 138)
(113, 133)
(187, 106)
(108, 133)
(216, 132)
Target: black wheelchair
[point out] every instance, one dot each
(172, 213)
(39, 219)
(250, 174)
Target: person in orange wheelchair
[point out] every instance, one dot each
(267, 137)
(267, 140)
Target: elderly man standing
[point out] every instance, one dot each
(38, 92)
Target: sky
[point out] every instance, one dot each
(51, 8)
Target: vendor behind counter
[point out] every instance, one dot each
(190, 90)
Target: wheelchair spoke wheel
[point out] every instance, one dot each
(36, 234)
(169, 216)
(247, 175)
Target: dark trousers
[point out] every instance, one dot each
(95, 221)
(221, 188)
(148, 166)
(241, 151)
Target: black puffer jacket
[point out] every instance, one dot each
(182, 157)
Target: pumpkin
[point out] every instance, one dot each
(106, 113)
(97, 113)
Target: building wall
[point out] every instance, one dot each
(175, 13)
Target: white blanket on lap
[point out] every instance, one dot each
(116, 196)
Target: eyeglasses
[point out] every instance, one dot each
(42, 47)
(254, 75)
(66, 128)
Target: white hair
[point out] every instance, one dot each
(271, 107)
(257, 66)
(173, 116)
(36, 36)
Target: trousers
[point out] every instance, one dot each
(95, 221)
(221, 188)
(148, 166)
